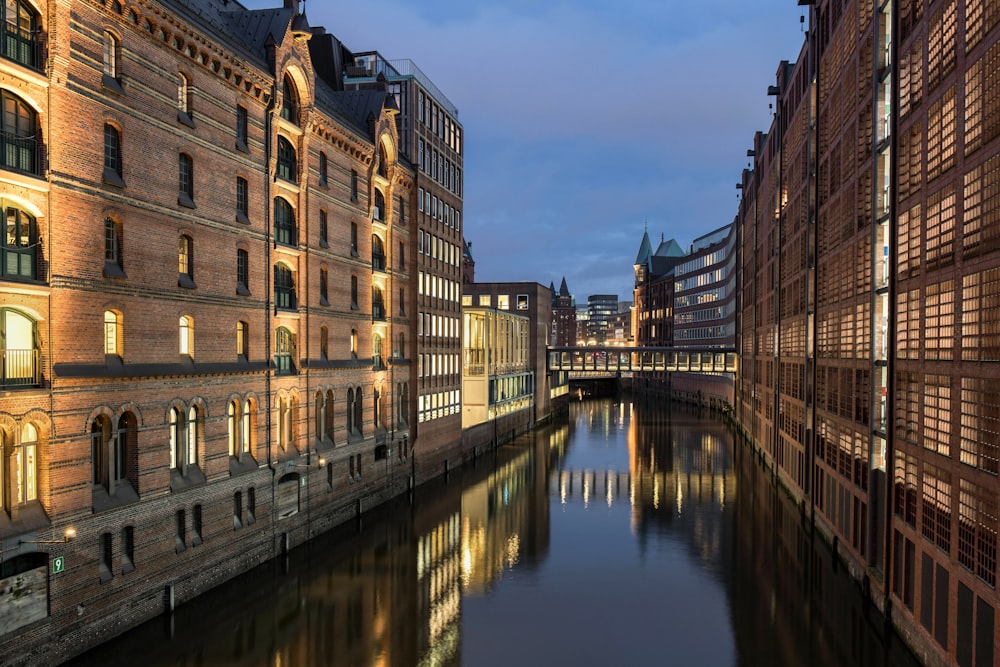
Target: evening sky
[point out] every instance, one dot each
(586, 121)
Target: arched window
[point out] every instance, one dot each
(100, 439)
(329, 425)
(111, 56)
(112, 334)
(284, 288)
(19, 137)
(324, 342)
(186, 180)
(377, 406)
(233, 424)
(185, 256)
(350, 411)
(18, 244)
(249, 424)
(322, 168)
(178, 440)
(284, 222)
(377, 360)
(113, 261)
(378, 253)
(112, 155)
(286, 161)
(186, 335)
(290, 101)
(354, 343)
(193, 425)
(359, 412)
(125, 442)
(283, 351)
(21, 32)
(320, 415)
(26, 465)
(242, 340)
(20, 351)
(378, 304)
(383, 162)
(285, 423)
(378, 211)
(184, 98)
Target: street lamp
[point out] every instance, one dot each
(67, 536)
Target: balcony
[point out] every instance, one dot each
(20, 369)
(23, 46)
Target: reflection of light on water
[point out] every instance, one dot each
(680, 499)
(722, 494)
(586, 489)
(563, 476)
(656, 492)
(512, 549)
(607, 484)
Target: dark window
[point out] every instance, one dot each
(128, 548)
(186, 179)
(322, 287)
(21, 34)
(402, 301)
(402, 256)
(100, 437)
(354, 185)
(107, 557)
(378, 211)
(286, 161)
(354, 239)
(284, 222)
(112, 242)
(238, 510)
(242, 200)
(322, 169)
(290, 102)
(112, 155)
(180, 539)
(354, 292)
(283, 351)
(401, 216)
(323, 232)
(242, 272)
(251, 505)
(196, 527)
(284, 288)
(378, 253)
(324, 342)
(19, 145)
(241, 127)
(378, 304)
(17, 244)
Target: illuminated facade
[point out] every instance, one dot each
(205, 360)
(432, 140)
(868, 333)
(497, 378)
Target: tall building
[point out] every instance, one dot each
(868, 329)
(600, 309)
(209, 300)
(431, 139)
(653, 292)
(563, 316)
(704, 305)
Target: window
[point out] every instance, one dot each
(18, 245)
(237, 510)
(242, 200)
(402, 256)
(196, 527)
(377, 360)
(378, 254)
(241, 128)
(420, 199)
(112, 156)
(180, 538)
(251, 505)
(378, 304)
(128, 549)
(286, 161)
(400, 351)
(290, 101)
(420, 152)
(351, 427)
(285, 422)
(20, 354)
(185, 261)
(112, 333)
(503, 302)
(402, 301)
(19, 145)
(183, 438)
(329, 411)
(100, 444)
(354, 293)
(107, 565)
(186, 181)
(522, 302)
(324, 342)
(354, 185)
(322, 169)
(284, 288)
(354, 343)
(323, 231)
(21, 34)
(283, 351)
(378, 211)
(242, 340)
(242, 272)
(184, 99)
(400, 211)
(322, 288)
(113, 265)
(284, 223)
(186, 335)
(354, 239)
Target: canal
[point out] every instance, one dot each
(626, 533)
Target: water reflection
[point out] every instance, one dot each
(626, 533)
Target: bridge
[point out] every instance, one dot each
(603, 362)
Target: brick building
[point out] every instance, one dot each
(868, 337)
(563, 316)
(209, 299)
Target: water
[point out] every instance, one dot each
(627, 534)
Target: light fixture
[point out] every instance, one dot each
(750, 152)
(67, 536)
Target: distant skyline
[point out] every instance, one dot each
(586, 122)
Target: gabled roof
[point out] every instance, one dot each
(669, 249)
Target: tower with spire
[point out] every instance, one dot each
(563, 316)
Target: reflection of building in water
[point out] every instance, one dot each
(439, 592)
(505, 518)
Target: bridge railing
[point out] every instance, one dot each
(618, 359)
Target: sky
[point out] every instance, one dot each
(586, 122)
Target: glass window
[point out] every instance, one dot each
(112, 150)
(186, 176)
(284, 222)
(241, 126)
(18, 128)
(186, 335)
(286, 161)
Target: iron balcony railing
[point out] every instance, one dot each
(20, 368)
